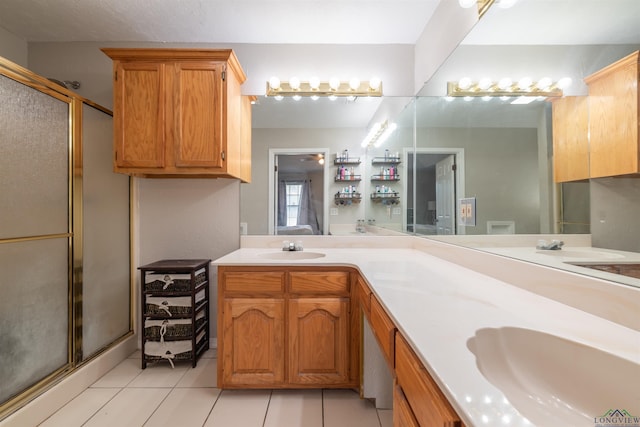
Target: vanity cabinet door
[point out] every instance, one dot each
(427, 401)
(319, 341)
(384, 331)
(253, 338)
(402, 413)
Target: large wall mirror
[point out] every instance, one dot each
(502, 151)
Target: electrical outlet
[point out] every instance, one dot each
(397, 211)
(333, 211)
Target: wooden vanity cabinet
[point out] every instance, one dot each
(402, 413)
(384, 330)
(251, 328)
(179, 112)
(285, 327)
(425, 399)
(570, 138)
(417, 399)
(613, 119)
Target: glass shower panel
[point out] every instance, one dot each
(34, 160)
(106, 273)
(34, 312)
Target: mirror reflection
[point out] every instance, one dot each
(502, 153)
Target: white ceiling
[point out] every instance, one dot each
(218, 21)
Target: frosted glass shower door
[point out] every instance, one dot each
(106, 290)
(35, 273)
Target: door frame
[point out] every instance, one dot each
(273, 152)
(460, 178)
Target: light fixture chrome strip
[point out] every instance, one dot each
(494, 90)
(325, 89)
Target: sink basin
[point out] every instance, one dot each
(582, 254)
(553, 381)
(291, 255)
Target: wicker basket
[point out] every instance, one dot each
(173, 328)
(171, 351)
(172, 282)
(168, 306)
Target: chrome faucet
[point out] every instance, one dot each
(292, 246)
(553, 246)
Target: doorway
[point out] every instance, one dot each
(438, 176)
(298, 191)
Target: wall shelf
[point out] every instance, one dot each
(352, 178)
(347, 198)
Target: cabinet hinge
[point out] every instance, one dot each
(454, 168)
(222, 154)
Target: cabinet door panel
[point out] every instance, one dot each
(384, 330)
(198, 112)
(402, 413)
(253, 342)
(318, 341)
(139, 115)
(430, 406)
(570, 138)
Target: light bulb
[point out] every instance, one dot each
(334, 83)
(525, 83)
(564, 82)
(464, 83)
(354, 83)
(294, 82)
(466, 4)
(374, 83)
(505, 83)
(314, 83)
(484, 83)
(544, 83)
(274, 83)
(505, 4)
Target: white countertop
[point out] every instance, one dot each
(440, 305)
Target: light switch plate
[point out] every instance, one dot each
(397, 211)
(333, 211)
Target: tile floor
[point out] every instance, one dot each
(184, 397)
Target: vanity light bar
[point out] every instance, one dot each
(467, 88)
(318, 88)
(379, 133)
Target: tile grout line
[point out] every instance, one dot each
(322, 405)
(212, 406)
(264, 420)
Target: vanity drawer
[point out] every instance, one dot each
(253, 282)
(428, 403)
(384, 330)
(319, 282)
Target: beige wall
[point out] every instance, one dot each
(13, 48)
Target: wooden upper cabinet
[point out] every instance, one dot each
(613, 119)
(180, 112)
(139, 98)
(570, 138)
